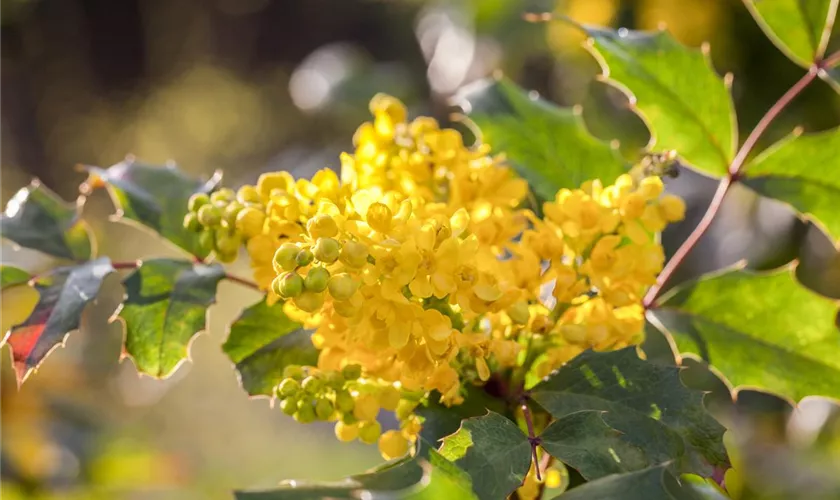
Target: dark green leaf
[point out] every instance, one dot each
(262, 342)
(165, 306)
(64, 293)
(10, 275)
(703, 488)
(597, 443)
(441, 420)
(493, 451)
(803, 170)
(426, 476)
(548, 145)
(799, 28)
(37, 218)
(686, 105)
(655, 483)
(762, 330)
(155, 197)
(619, 382)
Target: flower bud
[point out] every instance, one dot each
(346, 433)
(207, 239)
(309, 301)
(197, 201)
(316, 279)
(369, 431)
(288, 387)
(304, 258)
(327, 250)
(249, 222)
(289, 406)
(208, 215)
(519, 313)
(222, 196)
(248, 194)
(392, 444)
(191, 222)
(285, 258)
(366, 407)
(324, 409)
(354, 254)
(230, 212)
(389, 398)
(293, 371)
(322, 226)
(227, 243)
(288, 285)
(344, 401)
(342, 286)
(305, 413)
(352, 372)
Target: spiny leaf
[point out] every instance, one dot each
(799, 28)
(64, 293)
(262, 342)
(762, 330)
(10, 276)
(549, 146)
(686, 105)
(441, 420)
(654, 483)
(493, 451)
(598, 443)
(37, 218)
(166, 305)
(619, 382)
(426, 476)
(803, 170)
(155, 197)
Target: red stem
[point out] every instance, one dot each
(532, 438)
(830, 61)
(732, 177)
(135, 264)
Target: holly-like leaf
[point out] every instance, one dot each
(762, 330)
(10, 276)
(441, 420)
(165, 307)
(262, 342)
(803, 170)
(799, 28)
(493, 451)
(621, 383)
(426, 476)
(654, 483)
(64, 293)
(686, 106)
(598, 443)
(155, 197)
(37, 218)
(548, 145)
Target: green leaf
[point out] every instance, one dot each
(165, 307)
(64, 293)
(803, 170)
(762, 330)
(10, 276)
(597, 443)
(441, 420)
(426, 476)
(549, 146)
(493, 451)
(799, 28)
(37, 218)
(620, 383)
(262, 342)
(654, 483)
(831, 76)
(686, 106)
(155, 197)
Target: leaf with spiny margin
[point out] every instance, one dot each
(493, 451)
(598, 443)
(620, 382)
(10, 276)
(799, 28)
(762, 330)
(155, 197)
(654, 483)
(804, 171)
(548, 146)
(441, 420)
(426, 476)
(686, 106)
(37, 218)
(165, 307)
(262, 342)
(63, 295)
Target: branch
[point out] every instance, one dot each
(532, 437)
(733, 175)
(830, 61)
(137, 263)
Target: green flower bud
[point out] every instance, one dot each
(405, 409)
(197, 201)
(344, 401)
(293, 371)
(324, 409)
(223, 195)
(230, 213)
(369, 432)
(207, 239)
(352, 372)
(309, 301)
(304, 258)
(191, 222)
(227, 243)
(288, 387)
(327, 250)
(335, 380)
(305, 414)
(289, 406)
(285, 258)
(312, 385)
(349, 419)
(288, 285)
(354, 254)
(248, 194)
(209, 216)
(316, 279)
(342, 286)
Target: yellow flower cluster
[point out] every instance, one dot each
(420, 265)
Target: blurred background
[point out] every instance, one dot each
(249, 86)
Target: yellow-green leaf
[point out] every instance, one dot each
(799, 28)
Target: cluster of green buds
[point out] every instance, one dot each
(224, 218)
(307, 290)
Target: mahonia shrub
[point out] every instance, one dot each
(510, 301)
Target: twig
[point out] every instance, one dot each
(532, 437)
(242, 281)
(236, 279)
(830, 61)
